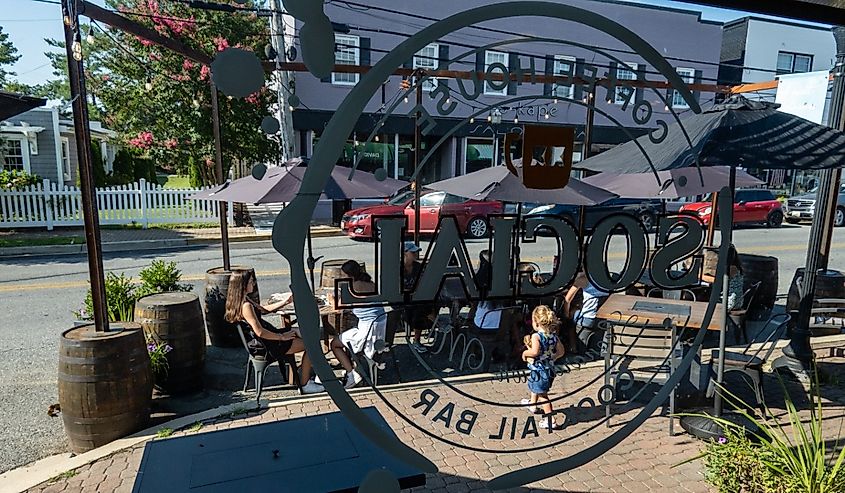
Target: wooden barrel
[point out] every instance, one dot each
(330, 270)
(763, 269)
(829, 284)
(176, 319)
(105, 384)
(221, 332)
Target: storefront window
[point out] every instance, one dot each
(374, 155)
(430, 171)
(479, 155)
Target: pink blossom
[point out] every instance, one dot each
(152, 5)
(254, 98)
(204, 72)
(221, 43)
(145, 42)
(187, 65)
(171, 143)
(155, 56)
(106, 77)
(143, 141)
(209, 162)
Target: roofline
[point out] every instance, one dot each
(775, 21)
(665, 9)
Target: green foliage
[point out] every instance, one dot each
(172, 121)
(158, 355)
(781, 462)
(8, 56)
(17, 179)
(195, 427)
(164, 433)
(98, 164)
(194, 173)
(120, 298)
(161, 277)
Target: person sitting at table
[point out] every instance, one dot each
(372, 324)
(417, 317)
(487, 315)
(736, 279)
(585, 317)
(277, 342)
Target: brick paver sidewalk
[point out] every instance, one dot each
(642, 462)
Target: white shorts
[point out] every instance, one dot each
(360, 338)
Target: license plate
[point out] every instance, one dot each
(794, 213)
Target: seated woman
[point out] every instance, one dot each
(279, 343)
(372, 324)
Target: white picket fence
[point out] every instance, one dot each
(50, 204)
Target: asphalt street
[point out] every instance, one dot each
(39, 294)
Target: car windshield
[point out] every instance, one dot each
(401, 198)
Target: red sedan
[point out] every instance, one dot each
(750, 206)
(471, 214)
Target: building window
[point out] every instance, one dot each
(564, 65)
(347, 51)
(793, 63)
(627, 71)
(479, 155)
(427, 59)
(66, 158)
(14, 154)
(491, 57)
(688, 75)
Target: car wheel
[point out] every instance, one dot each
(839, 217)
(775, 219)
(477, 228)
(647, 219)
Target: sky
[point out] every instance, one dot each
(28, 22)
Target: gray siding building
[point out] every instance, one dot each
(690, 44)
(40, 142)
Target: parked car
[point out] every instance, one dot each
(471, 214)
(750, 206)
(802, 208)
(646, 210)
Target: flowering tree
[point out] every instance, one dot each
(159, 101)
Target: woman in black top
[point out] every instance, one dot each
(278, 342)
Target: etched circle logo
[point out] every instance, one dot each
(464, 406)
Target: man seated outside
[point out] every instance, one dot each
(585, 317)
(417, 317)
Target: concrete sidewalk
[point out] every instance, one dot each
(116, 240)
(642, 462)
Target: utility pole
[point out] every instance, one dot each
(417, 149)
(218, 171)
(798, 355)
(82, 131)
(283, 79)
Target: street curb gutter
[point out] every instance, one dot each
(25, 477)
(140, 245)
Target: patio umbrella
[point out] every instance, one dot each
(738, 132)
(281, 184)
(673, 184)
(12, 104)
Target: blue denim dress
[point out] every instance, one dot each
(541, 373)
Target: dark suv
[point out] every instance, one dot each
(646, 210)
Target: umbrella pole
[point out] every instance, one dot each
(720, 368)
(711, 228)
(582, 221)
(312, 262)
(218, 168)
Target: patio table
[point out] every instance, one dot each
(314, 453)
(684, 313)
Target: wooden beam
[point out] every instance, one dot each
(760, 86)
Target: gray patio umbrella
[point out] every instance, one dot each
(281, 184)
(673, 184)
(12, 104)
(738, 132)
(498, 183)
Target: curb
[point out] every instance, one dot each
(137, 245)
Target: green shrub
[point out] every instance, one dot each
(17, 179)
(194, 173)
(161, 277)
(120, 298)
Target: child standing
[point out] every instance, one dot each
(544, 350)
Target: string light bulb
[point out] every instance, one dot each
(77, 55)
(516, 119)
(66, 20)
(555, 101)
(90, 38)
(472, 119)
(489, 118)
(406, 99)
(448, 100)
(666, 107)
(291, 108)
(76, 47)
(546, 116)
(377, 139)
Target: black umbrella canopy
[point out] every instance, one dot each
(281, 184)
(498, 183)
(12, 104)
(673, 184)
(738, 132)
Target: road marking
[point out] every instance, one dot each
(285, 272)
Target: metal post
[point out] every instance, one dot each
(82, 132)
(797, 357)
(417, 146)
(585, 153)
(728, 238)
(218, 169)
(277, 30)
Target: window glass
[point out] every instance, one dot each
(802, 63)
(13, 158)
(479, 154)
(688, 75)
(626, 71)
(347, 51)
(453, 199)
(491, 57)
(432, 199)
(426, 59)
(564, 65)
(66, 158)
(784, 62)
